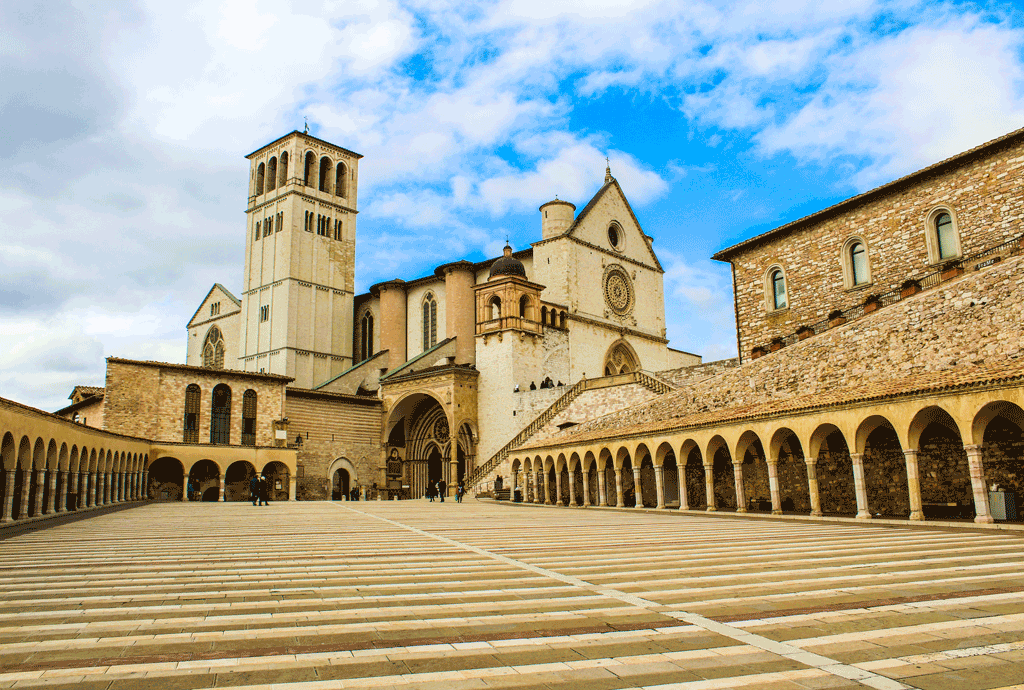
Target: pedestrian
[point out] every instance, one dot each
(442, 488)
(192, 491)
(254, 488)
(264, 491)
(460, 490)
(430, 491)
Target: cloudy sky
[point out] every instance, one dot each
(124, 126)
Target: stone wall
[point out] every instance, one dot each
(986, 198)
(333, 427)
(973, 320)
(688, 375)
(147, 399)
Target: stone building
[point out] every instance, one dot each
(879, 370)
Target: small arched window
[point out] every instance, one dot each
(272, 173)
(561, 319)
(858, 263)
(190, 426)
(283, 174)
(544, 315)
(213, 349)
(495, 308)
(220, 415)
(325, 168)
(339, 181)
(309, 168)
(261, 171)
(366, 330)
(524, 307)
(429, 322)
(945, 240)
(777, 298)
(249, 418)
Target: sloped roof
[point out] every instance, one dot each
(216, 286)
(612, 183)
(1014, 137)
(410, 362)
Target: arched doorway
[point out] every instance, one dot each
(166, 476)
(236, 481)
(202, 477)
(277, 480)
(418, 428)
(340, 487)
(343, 479)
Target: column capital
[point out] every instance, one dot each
(857, 457)
(973, 449)
(909, 452)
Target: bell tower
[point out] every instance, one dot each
(300, 246)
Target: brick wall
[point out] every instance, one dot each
(984, 193)
(148, 400)
(333, 427)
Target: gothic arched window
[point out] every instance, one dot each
(307, 173)
(220, 415)
(190, 426)
(366, 337)
(284, 169)
(249, 418)
(213, 349)
(260, 172)
(429, 322)
(325, 167)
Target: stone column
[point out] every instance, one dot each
(145, 483)
(75, 477)
(184, 487)
(659, 485)
(134, 485)
(860, 486)
(106, 488)
(620, 501)
(638, 491)
(709, 486)
(40, 509)
(741, 494)
(26, 489)
(124, 486)
(572, 487)
(684, 499)
(913, 484)
(558, 488)
(773, 487)
(293, 485)
(539, 494)
(983, 513)
(115, 488)
(602, 493)
(812, 487)
(83, 491)
(515, 485)
(220, 496)
(62, 501)
(8, 514)
(51, 505)
(586, 489)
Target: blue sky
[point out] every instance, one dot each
(123, 182)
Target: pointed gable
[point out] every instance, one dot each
(229, 304)
(610, 209)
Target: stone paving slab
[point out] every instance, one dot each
(308, 596)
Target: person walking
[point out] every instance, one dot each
(254, 488)
(264, 491)
(442, 487)
(459, 490)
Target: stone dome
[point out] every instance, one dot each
(507, 265)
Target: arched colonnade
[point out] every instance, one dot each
(52, 465)
(922, 458)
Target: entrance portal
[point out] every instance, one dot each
(340, 485)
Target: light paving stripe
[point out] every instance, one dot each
(788, 651)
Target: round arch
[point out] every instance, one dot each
(337, 489)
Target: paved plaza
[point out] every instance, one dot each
(482, 595)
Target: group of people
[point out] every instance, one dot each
(440, 489)
(259, 490)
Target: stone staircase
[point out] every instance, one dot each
(643, 378)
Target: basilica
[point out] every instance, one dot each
(879, 369)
